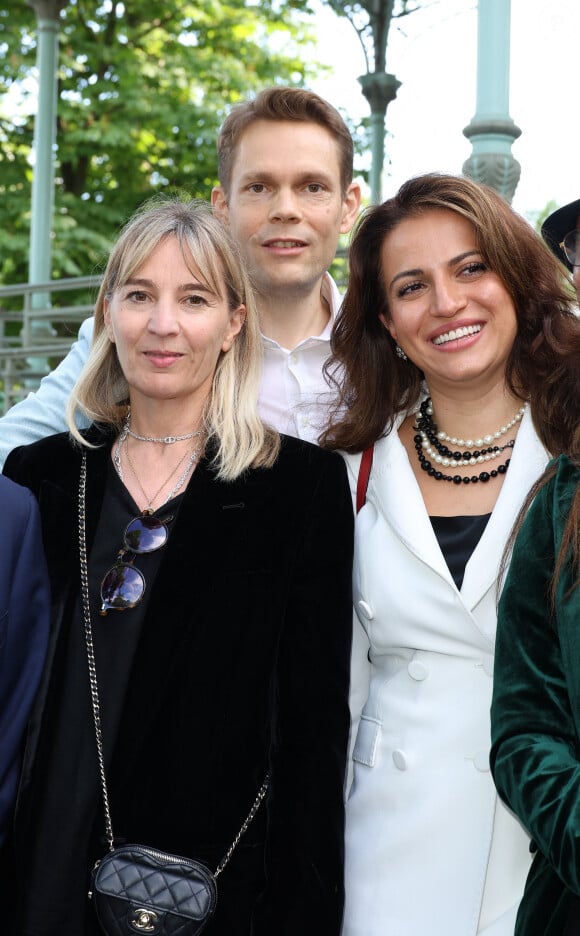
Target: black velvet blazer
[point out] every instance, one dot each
(242, 667)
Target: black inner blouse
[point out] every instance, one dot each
(72, 794)
(457, 538)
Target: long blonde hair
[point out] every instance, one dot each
(231, 417)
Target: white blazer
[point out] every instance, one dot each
(430, 849)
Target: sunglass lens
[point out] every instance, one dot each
(121, 588)
(572, 247)
(145, 534)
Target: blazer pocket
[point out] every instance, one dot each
(367, 739)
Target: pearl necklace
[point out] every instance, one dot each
(466, 460)
(473, 443)
(430, 440)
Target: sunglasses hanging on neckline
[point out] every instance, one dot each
(123, 586)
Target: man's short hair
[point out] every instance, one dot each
(278, 104)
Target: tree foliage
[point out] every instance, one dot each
(143, 87)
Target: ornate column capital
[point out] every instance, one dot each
(46, 9)
(380, 89)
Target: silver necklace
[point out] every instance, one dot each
(192, 458)
(164, 440)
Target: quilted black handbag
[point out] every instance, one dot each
(136, 889)
(141, 890)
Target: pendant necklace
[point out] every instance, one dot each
(121, 448)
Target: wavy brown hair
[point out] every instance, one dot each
(374, 385)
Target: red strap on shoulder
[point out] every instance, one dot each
(363, 476)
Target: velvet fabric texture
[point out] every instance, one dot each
(242, 667)
(24, 624)
(535, 755)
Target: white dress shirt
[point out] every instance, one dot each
(294, 396)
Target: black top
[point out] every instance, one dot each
(573, 917)
(72, 793)
(457, 538)
(241, 666)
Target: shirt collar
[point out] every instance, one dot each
(330, 293)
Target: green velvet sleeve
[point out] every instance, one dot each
(534, 718)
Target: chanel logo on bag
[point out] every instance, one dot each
(144, 921)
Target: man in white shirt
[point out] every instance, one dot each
(285, 164)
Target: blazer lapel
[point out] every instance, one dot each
(529, 458)
(59, 512)
(97, 468)
(393, 487)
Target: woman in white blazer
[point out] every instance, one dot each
(451, 351)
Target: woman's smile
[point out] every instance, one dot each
(447, 309)
(457, 336)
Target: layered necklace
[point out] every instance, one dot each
(188, 460)
(433, 453)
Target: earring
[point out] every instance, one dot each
(400, 353)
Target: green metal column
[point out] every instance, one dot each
(492, 130)
(380, 89)
(39, 264)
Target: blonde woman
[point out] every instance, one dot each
(222, 653)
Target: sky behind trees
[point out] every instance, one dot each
(433, 53)
(161, 128)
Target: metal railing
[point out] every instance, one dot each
(38, 334)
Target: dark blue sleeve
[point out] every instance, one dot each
(24, 626)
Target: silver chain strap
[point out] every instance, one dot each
(91, 651)
(255, 806)
(95, 689)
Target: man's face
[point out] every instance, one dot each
(285, 207)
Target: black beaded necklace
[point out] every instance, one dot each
(428, 436)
